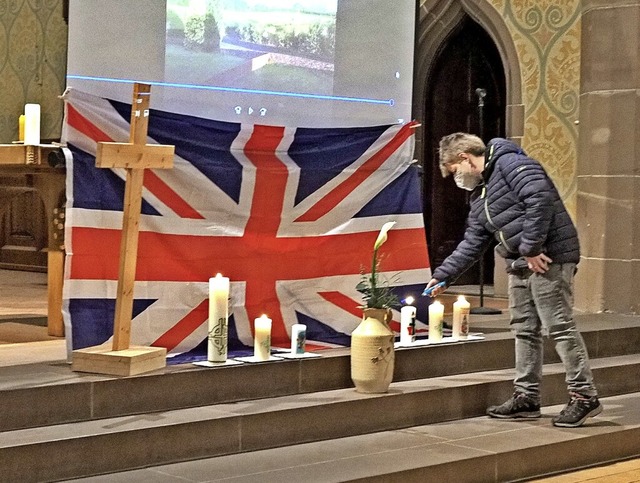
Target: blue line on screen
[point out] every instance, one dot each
(389, 102)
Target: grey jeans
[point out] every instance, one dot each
(544, 303)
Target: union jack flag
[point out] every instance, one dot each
(290, 215)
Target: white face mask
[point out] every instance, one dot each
(466, 180)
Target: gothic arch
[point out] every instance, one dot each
(437, 19)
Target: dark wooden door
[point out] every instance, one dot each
(467, 62)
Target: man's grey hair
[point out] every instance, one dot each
(454, 144)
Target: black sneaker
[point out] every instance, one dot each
(577, 410)
(519, 406)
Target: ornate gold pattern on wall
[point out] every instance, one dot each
(546, 34)
(33, 59)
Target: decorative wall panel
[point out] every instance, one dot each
(33, 59)
(547, 37)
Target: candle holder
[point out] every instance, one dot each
(31, 155)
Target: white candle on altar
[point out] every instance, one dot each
(408, 323)
(461, 310)
(262, 338)
(32, 124)
(436, 314)
(298, 338)
(218, 319)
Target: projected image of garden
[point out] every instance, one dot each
(282, 46)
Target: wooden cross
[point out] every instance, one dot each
(134, 156)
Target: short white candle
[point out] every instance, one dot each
(436, 314)
(262, 338)
(218, 319)
(408, 323)
(461, 310)
(32, 124)
(298, 338)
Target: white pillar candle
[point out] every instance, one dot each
(408, 323)
(298, 338)
(436, 314)
(32, 124)
(461, 310)
(218, 319)
(262, 338)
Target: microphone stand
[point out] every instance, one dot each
(482, 310)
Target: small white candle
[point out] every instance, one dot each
(32, 124)
(218, 319)
(262, 338)
(408, 323)
(298, 338)
(461, 310)
(436, 314)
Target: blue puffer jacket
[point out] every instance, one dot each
(519, 206)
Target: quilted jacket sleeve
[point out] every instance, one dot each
(476, 240)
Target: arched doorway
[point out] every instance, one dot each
(465, 90)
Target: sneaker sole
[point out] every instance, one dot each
(590, 414)
(523, 415)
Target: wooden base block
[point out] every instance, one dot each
(127, 362)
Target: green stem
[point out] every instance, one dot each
(374, 292)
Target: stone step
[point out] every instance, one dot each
(469, 450)
(108, 445)
(72, 397)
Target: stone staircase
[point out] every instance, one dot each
(302, 420)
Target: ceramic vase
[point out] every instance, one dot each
(372, 354)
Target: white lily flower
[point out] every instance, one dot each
(382, 237)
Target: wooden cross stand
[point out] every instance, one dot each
(135, 156)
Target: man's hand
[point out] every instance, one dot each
(539, 263)
(436, 291)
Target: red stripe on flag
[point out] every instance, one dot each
(86, 127)
(151, 181)
(264, 220)
(183, 329)
(190, 258)
(169, 197)
(344, 189)
(349, 305)
(345, 303)
(270, 181)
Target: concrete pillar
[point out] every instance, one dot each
(608, 205)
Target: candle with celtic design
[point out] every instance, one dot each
(218, 319)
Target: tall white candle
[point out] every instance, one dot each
(262, 338)
(218, 319)
(436, 314)
(408, 323)
(461, 310)
(298, 338)
(32, 124)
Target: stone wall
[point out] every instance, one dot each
(608, 183)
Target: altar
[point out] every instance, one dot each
(30, 162)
